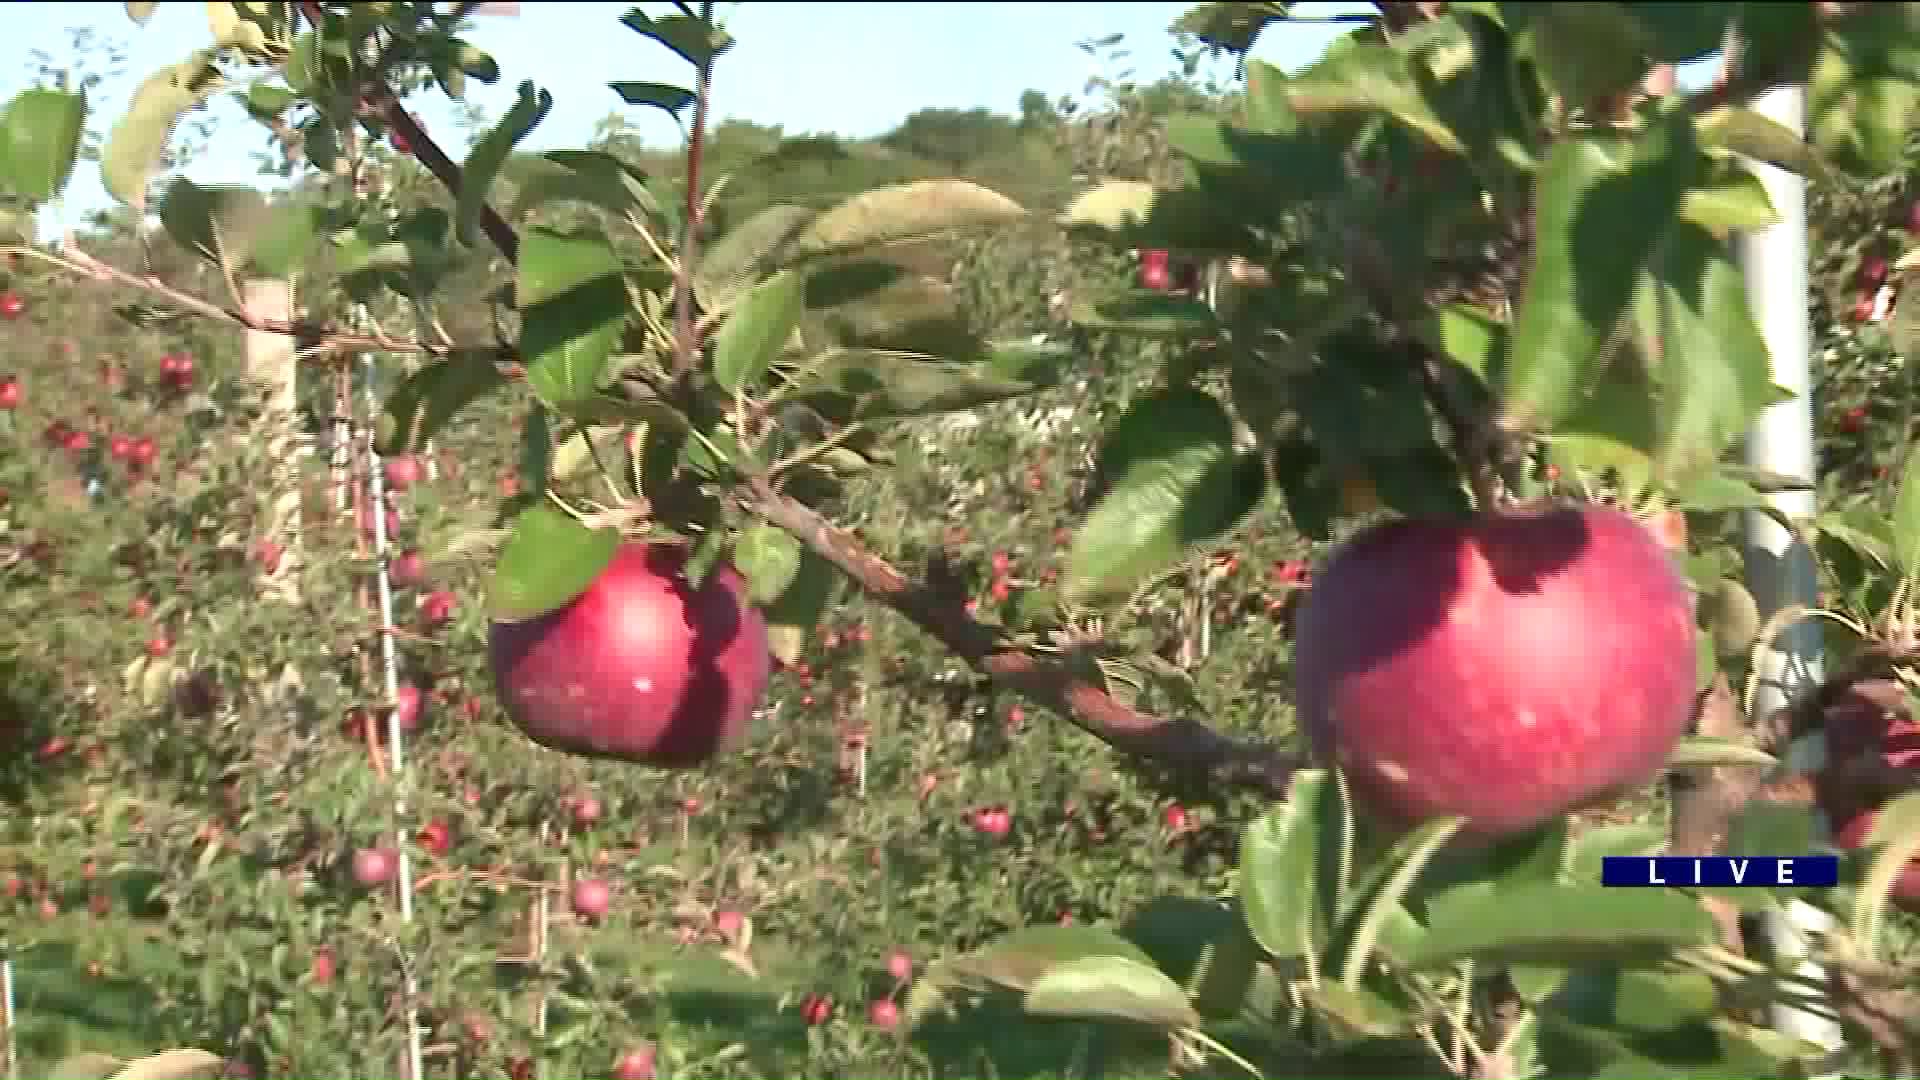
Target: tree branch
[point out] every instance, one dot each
(1180, 743)
(686, 343)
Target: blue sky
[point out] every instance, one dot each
(854, 69)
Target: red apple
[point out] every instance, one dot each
(179, 371)
(12, 305)
(407, 569)
(119, 448)
(373, 867)
(1906, 887)
(159, 646)
(436, 608)
(586, 810)
(1504, 669)
(1913, 219)
(437, 838)
(900, 965)
(884, 1014)
(993, 820)
(1155, 273)
(641, 667)
(728, 924)
(407, 704)
(816, 1009)
(365, 518)
(1863, 308)
(1873, 271)
(10, 394)
(269, 554)
(323, 966)
(142, 451)
(591, 897)
(635, 1064)
(78, 442)
(1176, 817)
(402, 472)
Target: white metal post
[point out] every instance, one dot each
(1779, 567)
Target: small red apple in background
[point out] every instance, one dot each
(1155, 273)
(12, 305)
(139, 607)
(635, 1064)
(1428, 665)
(323, 966)
(884, 1014)
(728, 924)
(1873, 272)
(398, 140)
(436, 837)
(177, 369)
(10, 394)
(78, 442)
(816, 1009)
(402, 472)
(1863, 308)
(585, 809)
(407, 569)
(1913, 218)
(993, 820)
(639, 667)
(899, 965)
(159, 646)
(1854, 420)
(373, 867)
(591, 897)
(1906, 887)
(366, 520)
(269, 554)
(407, 705)
(436, 608)
(119, 448)
(142, 452)
(1176, 818)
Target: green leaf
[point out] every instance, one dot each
(536, 451)
(1903, 523)
(1136, 214)
(1369, 78)
(490, 153)
(136, 143)
(903, 212)
(1019, 958)
(1714, 368)
(1561, 923)
(585, 176)
(216, 223)
(1285, 877)
(1763, 139)
(1588, 850)
(697, 41)
(797, 610)
(1584, 51)
(1358, 1013)
(1862, 92)
(673, 100)
(429, 397)
(758, 331)
(1706, 752)
(39, 140)
(1111, 987)
(1384, 925)
(1896, 836)
(1680, 33)
(1600, 218)
(769, 558)
(1148, 314)
(574, 306)
(1639, 1001)
(731, 264)
(547, 562)
(881, 385)
(1474, 339)
(1734, 200)
(1173, 481)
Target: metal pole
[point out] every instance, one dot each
(1779, 568)
(396, 737)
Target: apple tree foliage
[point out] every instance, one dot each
(1457, 259)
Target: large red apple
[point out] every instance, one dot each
(1505, 669)
(1906, 888)
(640, 667)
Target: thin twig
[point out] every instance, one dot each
(685, 342)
